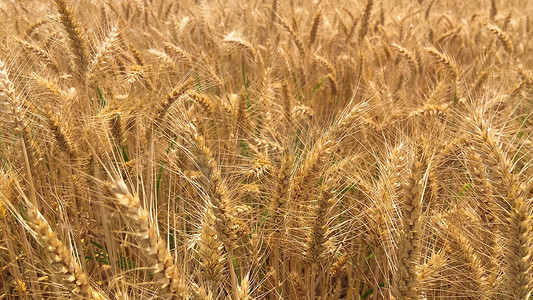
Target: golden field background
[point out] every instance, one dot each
(269, 149)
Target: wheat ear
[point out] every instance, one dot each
(233, 40)
(405, 282)
(203, 101)
(63, 141)
(314, 27)
(502, 37)
(41, 53)
(513, 209)
(116, 126)
(317, 239)
(29, 150)
(493, 10)
(367, 12)
(216, 188)
(210, 252)
(277, 211)
(447, 62)
(104, 52)
(244, 288)
(486, 206)
(408, 56)
(244, 125)
(463, 252)
(174, 95)
(294, 36)
(33, 27)
(319, 153)
(77, 43)
(158, 256)
(68, 269)
(178, 52)
(218, 198)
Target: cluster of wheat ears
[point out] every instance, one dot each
(266, 149)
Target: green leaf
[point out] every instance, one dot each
(22, 211)
(264, 217)
(171, 241)
(370, 291)
(125, 154)
(466, 187)
(318, 85)
(236, 266)
(172, 143)
(245, 78)
(102, 260)
(349, 188)
(102, 100)
(125, 263)
(159, 175)
(245, 149)
(367, 293)
(96, 244)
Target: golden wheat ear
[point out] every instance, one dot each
(158, 258)
(210, 253)
(314, 28)
(219, 202)
(512, 209)
(29, 149)
(367, 12)
(66, 270)
(77, 44)
(408, 56)
(503, 37)
(405, 281)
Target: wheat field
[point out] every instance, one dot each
(265, 149)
